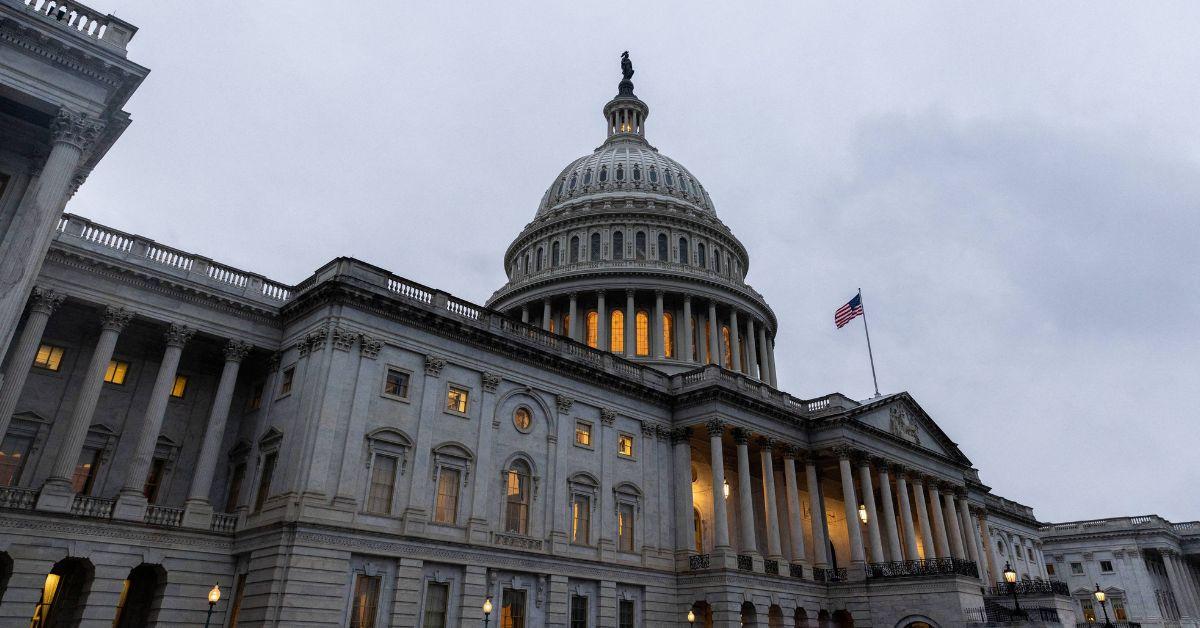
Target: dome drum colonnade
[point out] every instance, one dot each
(912, 519)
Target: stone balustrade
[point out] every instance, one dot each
(17, 498)
(223, 522)
(104, 29)
(94, 507)
(165, 516)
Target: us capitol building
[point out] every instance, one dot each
(603, 443)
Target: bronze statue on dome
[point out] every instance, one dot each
(626, 66)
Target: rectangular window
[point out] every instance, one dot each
(285, 383)
(48, 357)
(256, 395)
(383, 479)
(1119, 612)
(583, 434)
(115, 374)
(625, 614)
(512, 609)
(1050, 569)
(235, 486)
(395, 384)
(625, 527)
(366, 601)
(13, 453)
(581, 519)
(239, 592)
(625, 445)
(1106, 566)
(180, 386)
(446, 509)
(579, 611)
(1077, 569)
(85, 470)
(154, 480)
(437, 596)
(264, 480)
(1089, 611)
(1029, 554)
(456, 400)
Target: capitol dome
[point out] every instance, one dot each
(626, 253)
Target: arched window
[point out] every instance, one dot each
(574, 180)
(728, 347)
(639, 245)
(620, 172)
(643, 332)
(670, 180)
(701, 258)
(592, 328)
(64, 594)
(653, 175)
(616, 329)
(516, 498)
(603, 174)
(594, 248)
(538, 264)
(663, 248)
(587, 177)
(668, 326)
(574, 249)
(139, 594)
(685, 255)
(554, 255)
(637, 172)
(526, 264)
(717, 260)
(618, 241)
(698, 530)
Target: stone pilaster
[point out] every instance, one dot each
(774, 551)
(433, 398)
(752, 368)
(721, 545)
(953, 530)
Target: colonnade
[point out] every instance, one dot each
(676, 327)
(57, 493)
(911, 517)
(1023, 554)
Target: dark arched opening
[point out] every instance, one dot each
(842, 619)
(140, 596)
(823, 619)
(6, 569)
(749, 615)
(64, 594)
(775, 617)
(703, 614)
(801, 618)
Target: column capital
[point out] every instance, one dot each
(369, 347)
(74, 128)
(608, 416)
(45, 300)
(236, 350)
(115, 318)
(716, 427)
(178, 335)
(680, 435)
(629, 292)
(648, 429)
(767, 443)
(843, 452)
(564, 404)
(687, 298)
(573, 295)
(659, 293)
(434, 365)
(787, 450)
(960, 492)
(662, 432)
(491, 381)
(741, 436)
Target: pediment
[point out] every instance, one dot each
(903, 418)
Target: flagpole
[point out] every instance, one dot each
(870, 355)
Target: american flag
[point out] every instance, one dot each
(848, 312)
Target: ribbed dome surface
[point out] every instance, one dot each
(624, 165)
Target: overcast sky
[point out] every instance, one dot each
(1015, 188)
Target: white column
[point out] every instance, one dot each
(714, 335)
(660, 338)
(58, 493)
(868, 500)
(197, 509)
(572, 329)
(524, 313)
(923, 518)
(850, 501)
(939, 521)
(795, 516)
(751, 349)
(889, 513)
(985, 543)
(764, 362)
(720, 515)
(817, 508)
(735, 343)
(28, 236)
(546, 314)
(774, 550)
(630, 325)
(602, 319)
(682, 451)
(771, 359)
(964, 522)
(42, 303)
(906, 521)
(1178, 585)
(953, 532)
(748, 544)
(131, 503)
(688, 327)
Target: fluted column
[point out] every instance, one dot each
(630, 325)
(714, 338)
(42, 303)
(546, 314)
(1178, 585)
(748, 544)
(795, 515)
(660, 336)
(717, 459)
(751, 349)
(985, 545)
(764, 363)
(774, 551)
(735, 343)
(771, 359)
(868, 500)
(197, 510)
(572, 329)
(602, 320)
(688, 328)
(889, 513)
(850, 501)
(28, 236)
(970, 540)
(57, 493)
(817, 507)
(681, 449)
(950, 516)
(918, 486)
(906, 521)
(939, 521)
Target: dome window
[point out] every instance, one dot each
(538, 261)
(574, 249)
(653, 175)
(594, 248)
(639, 245)
(670, 180)
(603, 174)
(574, 180)
(685, 255)
(618, 245)
(587, 177)
(717, 260)
(663, 253)
(620, 172)
(637, 172)
(554, 250)
(701, 259)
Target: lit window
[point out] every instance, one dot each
(698, 530)
(512, 609)
(522, 418)
(617, 332)
(1089, 611)
(383, 482)
(366, 601)
(1050, 569)
(256, 395)
(581, 519)
(643, 332)
(395, 384)
(446, 508)
(437, 597)
(1106, 566)
(516, 503)
(668, 325)
(285, 384)
(180, 387)
(13, 453)
(579, 611)
(625, 445)
(264, 480)
(566, 324)
(456, 400)
(553, 327)
(583, 434)
(592, 328)
(625, 527)
(116, 371)
(48, 357)
(86, 469)
(1119, 612)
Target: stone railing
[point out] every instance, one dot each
(697, 562)
(930, 567)
(224, 522)
(517, 541)
(995, 614)
(1030, 587)
(89, 23)
(821, 574)
(137, 249)
(18, 498)
(1142, 522)
(711, 374)
(96, 507)
(771, 567)
(164, 516)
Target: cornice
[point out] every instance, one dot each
(91, 63)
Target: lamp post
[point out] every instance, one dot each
(214, 596)
(1010, 577)
(487, 610)
(1102, 598)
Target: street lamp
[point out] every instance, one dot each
(487, 609)
(214, 596)
(1102, 598)
(1010, 577)
(691, 617)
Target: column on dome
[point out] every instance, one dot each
(795, 515)
(817, 508)
(868, 500)
(918, 488)
(689, 330)
(771, 359)
(906, 520)
(630, 325)
(525, 313)
(546, 314)
(572, 329)
(751, 349)
(714, 335)
(197, 510)
(682, 455)
(888, 514)
(747, 543)
(950, 516)
(42, 303)
(939, 521)
(716, 429)
(850, 501)
(660, 337)
(774, 551)
(764, 363)
(735, 344)
(602, 320)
